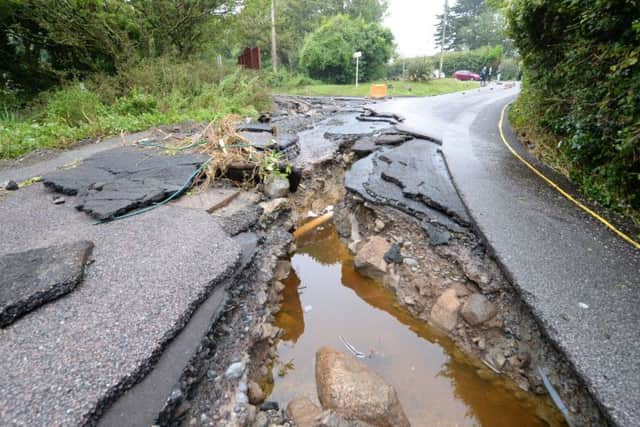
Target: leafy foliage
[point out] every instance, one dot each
(328, 52)
(472, 24)
(582, 61)
(111, 104)
(43, 42)
(422, 68)
(295, 19)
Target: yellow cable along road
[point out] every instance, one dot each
(560, 190)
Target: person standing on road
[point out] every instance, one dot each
(483, 76)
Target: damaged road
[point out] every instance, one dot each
(173, 321)
(579, 279)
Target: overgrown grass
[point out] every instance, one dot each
(397, 88)
(148, 94)
(547, 147)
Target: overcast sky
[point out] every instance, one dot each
(413, 25)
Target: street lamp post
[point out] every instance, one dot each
(357, 56)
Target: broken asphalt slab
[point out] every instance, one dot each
(365, 179)
(114, 182)
(325, 139)
(65, 362)
(34, 277)
(160, 391)
(418, 168)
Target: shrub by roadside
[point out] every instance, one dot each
(581, 92)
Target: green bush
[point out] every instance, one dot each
(421, 68)
(472, 60)
(136, 103)
(75, 105)
(509, 69)
(286, 79)
(582, 67)
(327, 53)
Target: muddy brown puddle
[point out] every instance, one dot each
(325, 298)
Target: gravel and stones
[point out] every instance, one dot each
(34, 277)
(478, 309)
(370, 259)
(235, 370)
(444, 313)
(276, 187)
(120, 180)
(393, 255)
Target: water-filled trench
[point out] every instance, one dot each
(325, 298)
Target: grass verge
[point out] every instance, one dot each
(397, 88)
(149, 94)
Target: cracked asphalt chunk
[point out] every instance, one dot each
(418, 168)
(34, 277)
(364, 179)
(117, 181)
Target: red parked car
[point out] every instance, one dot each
(466, 75)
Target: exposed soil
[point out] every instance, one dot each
(511, 344)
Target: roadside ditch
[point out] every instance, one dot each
(394, 276)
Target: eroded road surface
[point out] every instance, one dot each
(580, 280)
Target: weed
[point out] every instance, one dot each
(269, 166)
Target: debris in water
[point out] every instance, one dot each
(583, 305)
(352, 349)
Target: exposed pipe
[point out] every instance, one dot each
(316, 222)
(556, 398)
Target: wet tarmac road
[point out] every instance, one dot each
(580, 280)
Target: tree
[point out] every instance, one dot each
(295, 20)
(328, 51)
(472, 24)
(43, 41)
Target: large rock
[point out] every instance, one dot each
(478, 309)
(32, 278)
(256, 394)
(276, 187)
(331, 419)
(356, 392)
(370, 258)
(445, 311)
(304, 412)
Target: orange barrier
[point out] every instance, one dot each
(378, 91)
